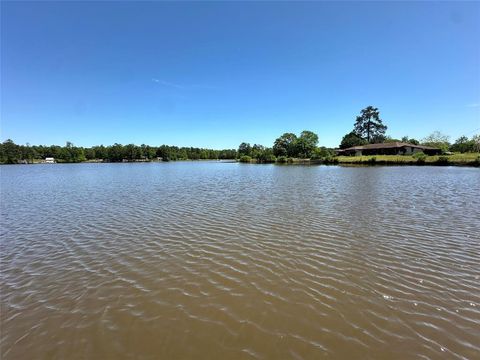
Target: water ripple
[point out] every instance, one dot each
(212, 260)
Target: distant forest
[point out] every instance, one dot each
(11, 153)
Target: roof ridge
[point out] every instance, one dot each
(388, 145)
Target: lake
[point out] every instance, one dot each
(211, 260)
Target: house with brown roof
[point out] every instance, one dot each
(393, 148)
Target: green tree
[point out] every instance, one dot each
(437, 140)
(9, 152)
(257, 150)
(129, 152)
(115, 152)
(351, 139)
(389, 139)
(77, 154)
(262, 154)
(227, 154)
(322, 153)
(89, 153)
(306, 143)
(369, 125)
(463, 145)
(285, 145)
(244, 149)
(147, 152)
(100, 152)
(28, 153)
(182, 154)
(413, 141)
(476, 143)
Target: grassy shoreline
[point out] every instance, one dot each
(466, 159)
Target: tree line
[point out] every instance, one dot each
(285, 147)
(370, 129)
(11, 153)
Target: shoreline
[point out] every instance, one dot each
(468, 159)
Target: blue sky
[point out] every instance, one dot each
(218, 73)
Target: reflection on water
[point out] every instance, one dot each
(230, 261)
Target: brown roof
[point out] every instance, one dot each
(390, 145)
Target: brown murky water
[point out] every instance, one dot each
(229, 261)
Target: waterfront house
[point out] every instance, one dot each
(49, 160)
(393, 148)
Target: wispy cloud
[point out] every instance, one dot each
(182, 86)
(473, 105)
(166, 83)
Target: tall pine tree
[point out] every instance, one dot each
(369, 126)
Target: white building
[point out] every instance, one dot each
(49, 160)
